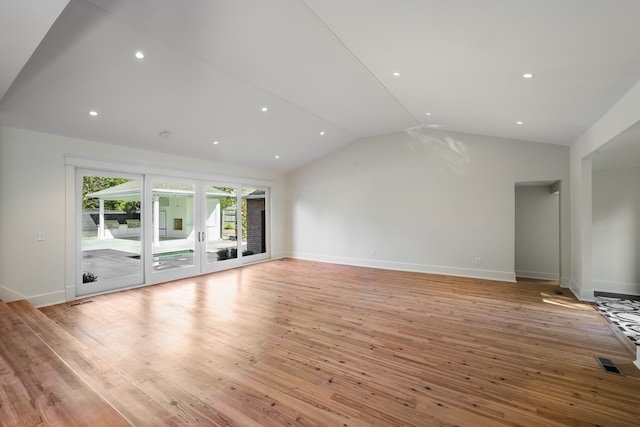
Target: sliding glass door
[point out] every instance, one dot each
(135, 230)
(110, 231)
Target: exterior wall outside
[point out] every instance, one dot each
(255, 231)
(179, 208)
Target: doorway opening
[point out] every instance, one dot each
(537, 232)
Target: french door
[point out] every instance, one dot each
(194, 228)
(151, 229)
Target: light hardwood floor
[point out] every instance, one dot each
(292, 342)
(39, 389)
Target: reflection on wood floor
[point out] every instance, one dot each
(293, 342)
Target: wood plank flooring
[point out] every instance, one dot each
(37, 388)
(301, 343)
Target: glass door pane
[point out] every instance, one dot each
(173, 232)
(221, 227)
(110, 231)
(254, 224)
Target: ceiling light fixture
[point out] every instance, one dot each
(322, 132)
(265, 109)
(93, 113)
(519, 123)
(427, 114)
(139, 55)
(396, 74)
(215, 142)
(277, 157)
(164, 134)
(527, 75)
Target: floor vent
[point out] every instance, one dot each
(608, 365)
(558, 292)
(80, 303)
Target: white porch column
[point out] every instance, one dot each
(101, 220)
(216, 220)
(156, 221)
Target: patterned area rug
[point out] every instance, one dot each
(624, 313)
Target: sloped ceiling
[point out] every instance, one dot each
(328, 66)
(23, 24)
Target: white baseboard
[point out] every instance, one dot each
(624, 288)
(537, 275)
(9, 295)
(582, 295)
(280, 255)
(47, 299)
(503, 276)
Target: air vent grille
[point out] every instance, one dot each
(80, 303)
(608, 365)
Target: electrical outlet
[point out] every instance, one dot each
(478, 260)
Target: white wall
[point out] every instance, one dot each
(616, 231)
(32, 200)
(537, 249)
(419, 200)
(623, 115)
(180, 207)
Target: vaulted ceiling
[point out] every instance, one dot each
(328, 72)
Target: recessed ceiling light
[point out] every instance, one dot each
(322, 132)
(164, 134)
(277, 157)
(93, 113)
(427, 114)
(216, 142)
(139, 55)
(527, 75)
(265, 109)
(519, 123)
(396, 74)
